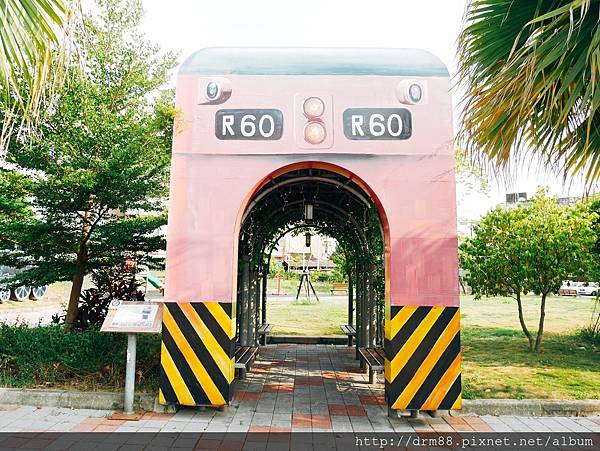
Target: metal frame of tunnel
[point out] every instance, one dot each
(344, 210)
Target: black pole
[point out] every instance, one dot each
(256, 288)
(264, 293)
(300, 286)
(350, 299)
(238, 304)
(350, 306)
(363, 315)
(244, 323)
(372, 307)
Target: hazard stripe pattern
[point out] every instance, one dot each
(423, 362)
(197, 366)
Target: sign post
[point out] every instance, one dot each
(129, 375)
(132, 318)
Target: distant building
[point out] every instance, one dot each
(514, 199)
(294, 255)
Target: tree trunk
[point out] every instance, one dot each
(81, 268)
(540, 332)
(522, 321)
(77, 285)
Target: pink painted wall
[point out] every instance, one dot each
(413, 180)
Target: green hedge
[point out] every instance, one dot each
(53, 356)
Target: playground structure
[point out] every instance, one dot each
(19, 292)
(359, 138)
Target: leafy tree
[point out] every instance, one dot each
(595, 208)
(592, 331)
(95, 171)
(342, 266)
(530, 71)
(532, 247)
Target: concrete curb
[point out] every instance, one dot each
(74, 399)
(145, 401)
(530, 407)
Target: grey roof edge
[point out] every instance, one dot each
(313, 61)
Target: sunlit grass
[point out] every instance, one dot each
(496, 360)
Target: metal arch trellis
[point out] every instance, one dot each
(299, 180)
(361, 241)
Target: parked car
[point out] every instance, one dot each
(588, 289)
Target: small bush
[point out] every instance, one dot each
(54, 356)
(94, 302)
(590, 335)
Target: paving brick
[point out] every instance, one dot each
(301, 420)
(321, 422)
(337, 410)
(355, 410)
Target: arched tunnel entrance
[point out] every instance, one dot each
(388, 197)
(314, 199)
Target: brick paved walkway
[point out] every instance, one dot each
(290, 388)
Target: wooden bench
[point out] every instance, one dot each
(374, 359)
(338, 286)
(349, 330)
(244, 357)
(263, 332)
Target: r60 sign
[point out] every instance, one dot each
(377, 123)
(249, 124)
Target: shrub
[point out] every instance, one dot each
(591, 333)
(328, 276)
(54, 356)
(94, 302)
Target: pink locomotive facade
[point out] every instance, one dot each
(380, 119)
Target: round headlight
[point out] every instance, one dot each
(212, 90)
(415, 93)
(314, 133)
(313, 107)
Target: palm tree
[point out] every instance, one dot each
(33, 34)
(530, 70)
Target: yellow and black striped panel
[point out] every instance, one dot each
(196, 358)
(422, 365)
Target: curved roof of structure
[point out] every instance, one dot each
(313, 61)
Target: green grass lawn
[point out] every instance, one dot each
(496, 360)
(303, 318)
(563, 314)
(497, 364)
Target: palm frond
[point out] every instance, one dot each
(530, 70)
(33, 37)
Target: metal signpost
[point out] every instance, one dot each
(132, 318)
